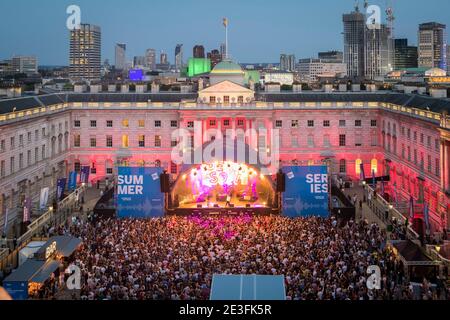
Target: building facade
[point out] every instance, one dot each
(45, 138)
(179, 57)
(336, 56)
(199, 52)
(311, 69)
(406, 57)
(379, 52)
(120, 56)
(354, 43)
(287, 62)
(150, 59)
(432, 45)
(25, 64)
(85, 52)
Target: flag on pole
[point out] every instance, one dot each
(225, 22)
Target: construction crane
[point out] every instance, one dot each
(390, 17)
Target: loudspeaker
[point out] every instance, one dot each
(281, 182)
(165, 182)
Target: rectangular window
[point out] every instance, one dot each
(141, 123)
(212, 123)
(158, 124)
(109, 123)
(174, 124)
(437, 144)
(429, 164)
(310, 123)
(240, 123)
(36, 154)
(21, 140)
(226, 123)
(438, 166)
(173, 143)
(278, 123)
(125, 141)
(36, 135)
(294, 123)
(77, 124)
(125, 123)
(109, 141)
(342, 166)
(93, 142)
(12, 143)
(342, 140)
(326, 123)
(294, 141)
(212, 99)
(109, 170)
(21, 161)
(240, 99)
(342, 123)
(29, 137)
(429, 142)
(226, 99)
(326, 141)
(190, 124)
(29, 158)
(93, 123)
(141, 141)
(11, 165)
(358, 140)
(157, 141)
(374, 140)
(2, 169)
(373, 123)
(311, 141)
(2, 146)
(76, 141)
(422, 138)
(358, 123)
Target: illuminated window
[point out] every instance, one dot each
(212, 99)
(358, 166)
(157, 141)
(125, 123)
(125, 142)
(311, 163)
(76, 141)
(342, 166)
(141, 123)
(141, 141)
(374, 166)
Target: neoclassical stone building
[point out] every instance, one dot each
(405, 136)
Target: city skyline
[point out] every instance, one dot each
(294, 31)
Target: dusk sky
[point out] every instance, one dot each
(259, 29)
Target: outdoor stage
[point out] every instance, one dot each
(223, 188)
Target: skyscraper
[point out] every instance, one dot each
(199, 52)
(216, 57)
(179, 57)
(287, 62)
(405, 56)
(85, 52)
(150, 59)
(354, 43)
(432, 45)
(379, 55)
(336, 56)
(163, 59)
(120, 60)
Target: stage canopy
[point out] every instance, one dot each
(248, 287)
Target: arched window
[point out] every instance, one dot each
(374, 166)
(358, 166)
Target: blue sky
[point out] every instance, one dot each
(259, 29)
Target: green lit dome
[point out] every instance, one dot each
(227, 67)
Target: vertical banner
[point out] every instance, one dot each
(84, 174)
(362, 173)
(411, 207)
(5, 227)
(27, 210)
(426, 215)
(307, 191)
(139, 192)
(72, 181)
(43, 198)
(60, 187)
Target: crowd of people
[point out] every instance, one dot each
(175, 258)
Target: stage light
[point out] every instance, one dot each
(184, 177)
(262, 176)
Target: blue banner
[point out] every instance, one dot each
(84, 174)
(139, 193)
(307, 192)
(18, 290)
(72, 181)
(60, 187)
